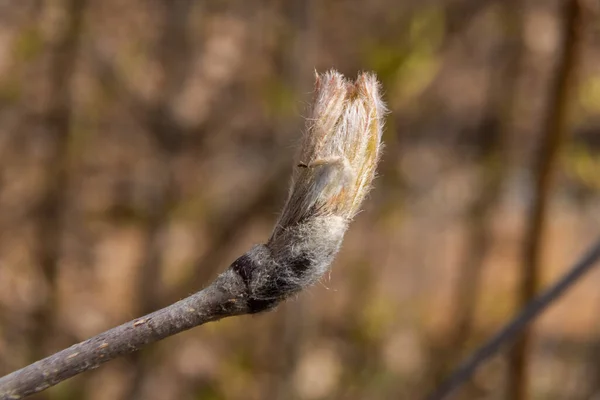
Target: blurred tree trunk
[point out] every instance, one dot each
(554, 131)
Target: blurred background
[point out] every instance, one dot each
(144, 145)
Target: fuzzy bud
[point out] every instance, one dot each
(332, 175)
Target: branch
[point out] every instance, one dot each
(335, 169)
(223, 298)
(517, 325)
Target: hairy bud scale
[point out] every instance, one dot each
(332, 175)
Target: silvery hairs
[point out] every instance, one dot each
(332, 175)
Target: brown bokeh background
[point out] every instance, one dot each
(144, 145)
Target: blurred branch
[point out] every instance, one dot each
(517, 324)
(554, 132)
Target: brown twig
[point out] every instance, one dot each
(226, 297)
(555, 128)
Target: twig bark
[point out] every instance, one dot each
(227, 296)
